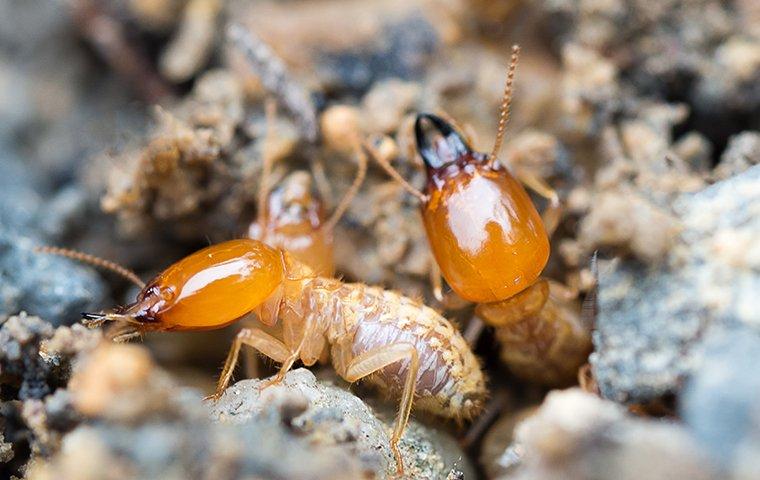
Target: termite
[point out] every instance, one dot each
(396, 343)
(491, 245)
(292, 218)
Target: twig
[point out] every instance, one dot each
(275, 77)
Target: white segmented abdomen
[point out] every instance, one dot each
(450, 381)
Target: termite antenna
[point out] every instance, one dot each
(361, 172)
(93, 260)
(506, 103)
(270, 108)
(393, 173)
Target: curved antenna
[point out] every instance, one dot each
(361, 173)
(394, 174)
(506, 103)
(270, 109)
(93, 260)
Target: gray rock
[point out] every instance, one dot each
(719, 402)
(741, 153)
(19, 202)
(653, 319)
(139, 423)
(578, 436)
(322, 414)
(53, 288)
(64, 212)
(35, 358)
(301, 430)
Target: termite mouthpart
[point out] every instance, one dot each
(441, 144)
(93, 319)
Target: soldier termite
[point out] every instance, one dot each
(393, 341)
(491, 246)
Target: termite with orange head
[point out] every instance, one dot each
(491, 246)
(292, 218)
(393, 341)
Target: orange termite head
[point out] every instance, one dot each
(485, 233)
(209, 289)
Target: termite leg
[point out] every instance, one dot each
(450, 300)
(253, 337)
(553, 211)
(361, 172)
(369, 362)
(514, 309)
(472, 333)
(250, 359)
(291, 357)
(122, 332)
(436, 281)
(394, 173)
(320, 178)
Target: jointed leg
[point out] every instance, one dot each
(449, 301)
(258, 339)
(361, 172)
(553, 211)
(472, 332)
(394, 173)
(320, 178)
(291, 357)
(377, 359)
(250, 359)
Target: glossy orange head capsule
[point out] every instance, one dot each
(485, 233)
(209, 289)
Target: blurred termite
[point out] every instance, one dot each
(292, 218)
(394, 342)
(491, 246)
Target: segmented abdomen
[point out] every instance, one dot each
(362, 318)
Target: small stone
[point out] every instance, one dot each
(105, 383)
(577, 435)
(341, 127)
(51, 287)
